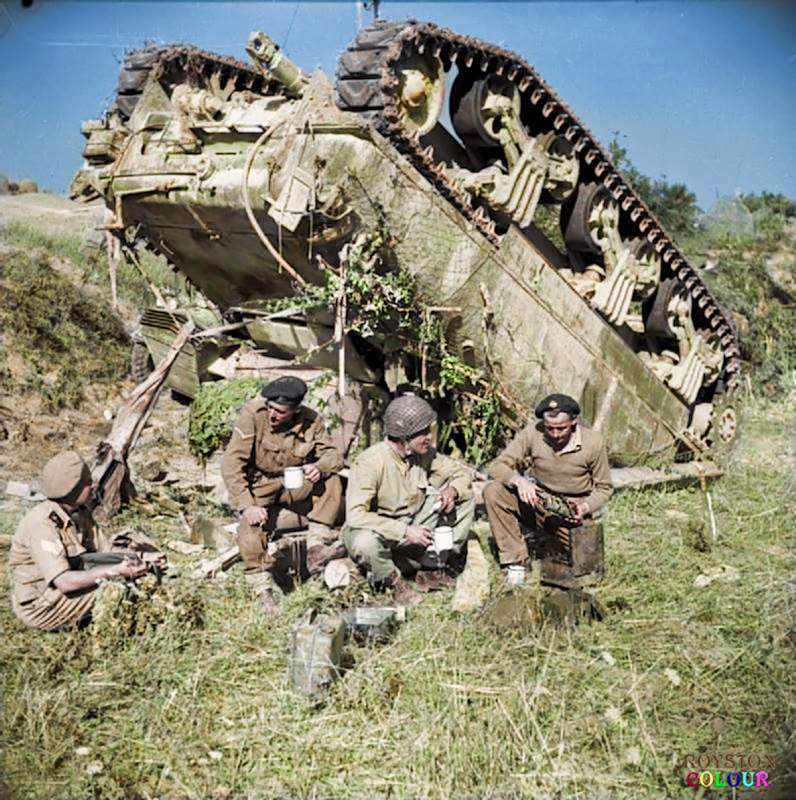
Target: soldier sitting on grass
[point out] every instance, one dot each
(51, 589)
(398, 491)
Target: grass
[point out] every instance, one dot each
(47, 321)
(132, 288)
(450, 706)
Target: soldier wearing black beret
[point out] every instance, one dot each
(551, 482)
(275, 431)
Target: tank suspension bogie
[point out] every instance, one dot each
(499, 108)
(488, 112)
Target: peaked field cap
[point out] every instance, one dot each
(287, 390)
(558, 403)
(63, 473)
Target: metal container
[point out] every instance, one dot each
(315, 653)
(443, 538)
(373, 622)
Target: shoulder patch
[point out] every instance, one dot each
(56, 520)
(53, 548)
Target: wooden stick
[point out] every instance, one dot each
(228, 557)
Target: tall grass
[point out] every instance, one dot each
(451, 706)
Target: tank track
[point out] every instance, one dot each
(367, 84)
(195, 65)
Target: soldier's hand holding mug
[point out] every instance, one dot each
(312, 473)
(526, 489)
(418, 535)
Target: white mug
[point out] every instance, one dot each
(293, 477)
(516, 575)
(443, 538)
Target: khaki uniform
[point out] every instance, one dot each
(572, 554)
(387, 493)
(46, 543)
(252, 470)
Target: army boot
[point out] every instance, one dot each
(319, 555)
(402, 592)
(430, 580)
(321, 547)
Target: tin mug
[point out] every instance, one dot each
(515, 575)
(293, 477)
(443, 538)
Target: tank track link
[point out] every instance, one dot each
(367, 84)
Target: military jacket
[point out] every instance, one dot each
(580, 469)
(385, 490)
(46, 543)
(256, 455)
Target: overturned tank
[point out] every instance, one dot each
(543, 265)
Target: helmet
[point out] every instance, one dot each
(407, 415)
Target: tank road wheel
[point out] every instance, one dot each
(471, 107)
(141, 364)
(421, 94)
(589, 218)
(657, 321)
(723, 433)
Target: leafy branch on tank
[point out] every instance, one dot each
(385, 307)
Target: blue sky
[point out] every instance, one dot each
(702, 92)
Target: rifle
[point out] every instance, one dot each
(91, 560)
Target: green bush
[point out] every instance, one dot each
(214, 410)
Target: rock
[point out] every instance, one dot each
(5, 185)
(185, 548)
(27, 186)
(472, 586)
(338, 573)
(211, 532)
(673, 677)
(722, 573)
(18, 489)
(24, 491)
(152, 471)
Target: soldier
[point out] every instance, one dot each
(51, 590)
(398, 491)
(272, 432)
(568, 485)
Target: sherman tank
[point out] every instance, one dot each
(544, 266)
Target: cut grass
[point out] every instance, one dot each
(449, 707)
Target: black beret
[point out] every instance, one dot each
(287, 390)
(558, 403)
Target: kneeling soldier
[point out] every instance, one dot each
(570, 482)
(272, 432)
(52, 590)
(398, 491)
